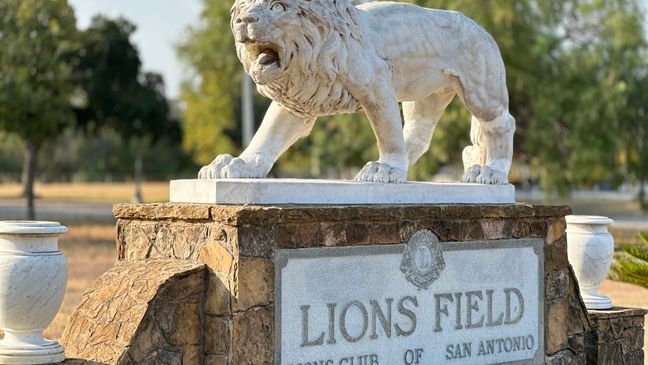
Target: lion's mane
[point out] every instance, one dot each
(318, 54)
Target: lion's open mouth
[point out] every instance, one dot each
(265, 54)
(265, 61)
(268, 56)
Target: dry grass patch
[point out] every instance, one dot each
(112, 192)
(90, 251)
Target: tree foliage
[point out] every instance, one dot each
(212, 94)
(117, 94)
(114, 91)
(35, 88)
(576, 70)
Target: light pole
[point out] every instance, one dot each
(248, 109)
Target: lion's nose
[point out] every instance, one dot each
(247, 18)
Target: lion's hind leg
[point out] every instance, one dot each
(488, 160)
(473, 155)
(421, 117)
(498, 137)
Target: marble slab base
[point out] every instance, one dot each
(332, 192)
(52, 353)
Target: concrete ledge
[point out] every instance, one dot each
(326, 192)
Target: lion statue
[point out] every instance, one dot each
(321, 57)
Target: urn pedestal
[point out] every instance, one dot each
(590, 248)
(33, 277)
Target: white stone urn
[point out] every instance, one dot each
(33, 278)
(590, 248)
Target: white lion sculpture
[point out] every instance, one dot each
(322, 57)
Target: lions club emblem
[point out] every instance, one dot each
(423, 260)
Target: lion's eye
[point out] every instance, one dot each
(277, 6)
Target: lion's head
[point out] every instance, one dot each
(275, 37)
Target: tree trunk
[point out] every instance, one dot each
(28, 178)
(139, 166)
(248, 111)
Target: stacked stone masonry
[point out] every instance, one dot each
(194, 284)
(617, 337)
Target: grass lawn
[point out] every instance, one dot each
(90, 251)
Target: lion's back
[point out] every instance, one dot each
(425, 45)
(401, 25)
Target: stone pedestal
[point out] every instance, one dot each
(617, 336)
(194, 283)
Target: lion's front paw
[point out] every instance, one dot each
(226, 166)
(381, 173)
(471, 174)
(485, 175)
(499, 177)
(492, 176)
(213, 170)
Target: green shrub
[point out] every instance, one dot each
(631, 263)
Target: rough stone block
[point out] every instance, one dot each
(333, 233)
(555, 229)
(215, 360)
(497, 229)
(218, 297)
(138, 313)
(556, 315)
(556, 255)
(217, 335)
(150, 240)
(616, 337)
(556, 284)
(530, 228)
(301, 235)
(257, 241)
(218, 258)
(254, 284)
(566, 357)
(253, 337)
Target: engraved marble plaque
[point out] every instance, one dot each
(425, 302)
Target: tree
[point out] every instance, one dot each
(636, 136)
(117, 94)
(35, 88)
(212, 96)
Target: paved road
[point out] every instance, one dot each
(58, 210)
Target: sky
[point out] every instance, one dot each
(160, 25)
